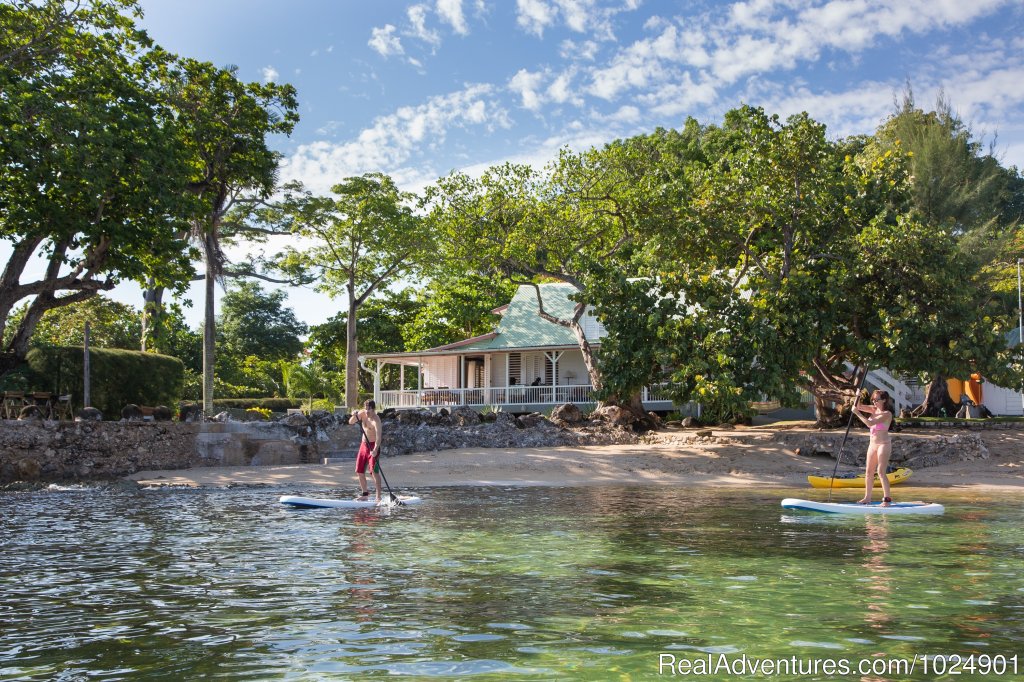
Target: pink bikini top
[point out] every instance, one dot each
(880, 427)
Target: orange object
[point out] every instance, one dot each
(972, 387)
(956, 389)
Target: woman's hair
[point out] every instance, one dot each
(881, 395)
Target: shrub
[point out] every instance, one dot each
(272, 404)
(118, 377)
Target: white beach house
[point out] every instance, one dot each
(526, 364)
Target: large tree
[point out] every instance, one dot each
(93, 169)
(357, 242)
(794, 256)
(584, 211)
(226, 125)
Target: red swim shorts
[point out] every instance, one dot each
(363, 458)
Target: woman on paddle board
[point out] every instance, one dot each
(878, 421)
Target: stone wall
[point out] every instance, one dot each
(49, 451)
(911, 450)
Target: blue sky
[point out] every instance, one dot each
(417, 89)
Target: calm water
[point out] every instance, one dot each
(494, 583)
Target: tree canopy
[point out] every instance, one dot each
(357, 242)
(93, 169)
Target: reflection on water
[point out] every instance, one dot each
(490, 583)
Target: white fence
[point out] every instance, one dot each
(511, 396)
(478, 397)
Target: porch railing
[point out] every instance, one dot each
(511, 396)
(478, 397)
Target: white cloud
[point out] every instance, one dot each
(451, 12)
(270, 74)
(418, 18)
(681, 96)
(560, 90)
(385, 42)
(580, 16)
(527, 85)
(585, 51)
(534, 15)
(396, 139)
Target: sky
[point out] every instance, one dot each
(418, 89)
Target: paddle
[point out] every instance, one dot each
(839, 457)
(394, 499)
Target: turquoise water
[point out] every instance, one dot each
(499, 583)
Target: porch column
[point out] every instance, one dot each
(487, 380)
(463, 380)
(419, 381)
(554, 357)
(376, 382)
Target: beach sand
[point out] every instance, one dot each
(746, 457)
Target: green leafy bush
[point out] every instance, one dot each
(118, 377)
(272, 404)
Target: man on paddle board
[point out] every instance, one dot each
(369, 446)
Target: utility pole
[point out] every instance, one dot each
(85, 370)
(1020, 325)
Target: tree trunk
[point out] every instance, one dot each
(833, 395)
(937, 402)
(351, 356)
(209, 332)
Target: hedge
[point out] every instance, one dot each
(119, 377)
(272, 404)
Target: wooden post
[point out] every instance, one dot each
(85, 370)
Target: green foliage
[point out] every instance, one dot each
(310, 380)
(111, 324)
(362, 239)
(118, 377)
(272, 404)
(93, 171)
(255, 323)
(262, 412)
(455, 307)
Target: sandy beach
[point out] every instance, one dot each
(730, 458)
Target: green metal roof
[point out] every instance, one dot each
(522, 327)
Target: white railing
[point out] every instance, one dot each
(512, 396)
(902, 394)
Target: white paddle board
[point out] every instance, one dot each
(854, 508)
(319, 503)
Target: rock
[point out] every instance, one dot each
(295, 420)
(190, 412)
(529, 421)
(162, 413)
(28, 469)
(89, 414)
(690, 422)
(409, 417)
(705, 433)
(465, 416)
(131, 413)
(615, 415)
(568, 413)
(505, 419)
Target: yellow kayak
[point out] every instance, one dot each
(857, 480)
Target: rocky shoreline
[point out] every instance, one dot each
(37, 452)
